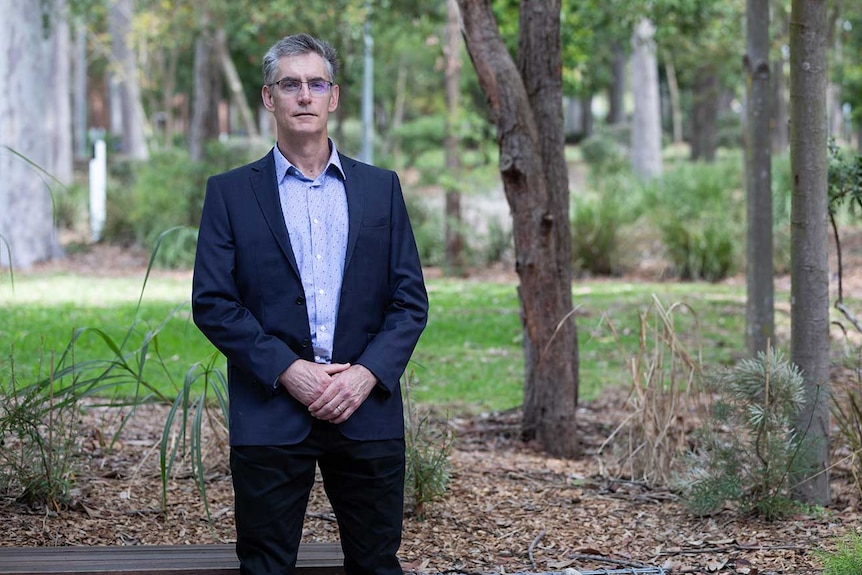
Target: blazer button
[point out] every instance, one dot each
(306, 342)
(300, 300)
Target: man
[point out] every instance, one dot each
(307, 278)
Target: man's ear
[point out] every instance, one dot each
(266, 97)
(333, 98)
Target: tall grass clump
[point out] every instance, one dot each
(39, 442)
(699, 210)
(747, 450)
(846, 558)
(663, 398)
(428, 447)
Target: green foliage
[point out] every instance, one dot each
(846, 411)
(747, 450)
(596, 225)
(698, 209)
(428, 446)
(147, 199)
(846, 558)
(604, 154)
(429, 230)
(844, 179)
(782, 191)
(39, 443)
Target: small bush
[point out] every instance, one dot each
(145, 200)
(595, 236)
(699, 210)
(39, 439)
(428, 447)
(747, 450)
(604, 154)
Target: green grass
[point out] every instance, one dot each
(470, 357)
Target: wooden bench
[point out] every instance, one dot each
(314, 559)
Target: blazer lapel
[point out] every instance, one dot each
(354, 187)
(264, 185)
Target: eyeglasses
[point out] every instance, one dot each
(318, 87)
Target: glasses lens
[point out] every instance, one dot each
(318, 87)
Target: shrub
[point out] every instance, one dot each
(39, 439)
(146, 199)
(747, 450)
(699, 210)
(428, 447)
(599, 220)
(604, 154)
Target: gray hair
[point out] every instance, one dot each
(297, 45)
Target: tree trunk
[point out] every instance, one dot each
(454, 260)
(617, 90)
(704, 114)
(204, 126)
(535, 179)
(26, 60)
(234, 84)
(131, 111)
(673, 93)
(79, 93)
(646, 128)
(60, 120)
(809, 297)
(780, 119)
(587, 118)
(760, 304)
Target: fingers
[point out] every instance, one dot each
(344, 395)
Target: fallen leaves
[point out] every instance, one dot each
(509, 508)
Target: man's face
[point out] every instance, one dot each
(302, 112)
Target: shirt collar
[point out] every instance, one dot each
(282, 164)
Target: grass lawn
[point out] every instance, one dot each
(470, 357)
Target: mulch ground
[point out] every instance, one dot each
(509, 508)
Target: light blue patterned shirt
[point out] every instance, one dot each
(315, 212)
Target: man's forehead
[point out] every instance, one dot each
(308, 64)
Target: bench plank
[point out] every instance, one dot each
(314, 559)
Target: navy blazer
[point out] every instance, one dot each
(247, 298)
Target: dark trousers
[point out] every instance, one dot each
(364, 481)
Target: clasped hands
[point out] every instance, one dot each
(332, 392)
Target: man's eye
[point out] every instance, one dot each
(317, 85)
(290, 85)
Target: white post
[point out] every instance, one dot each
(98, 185)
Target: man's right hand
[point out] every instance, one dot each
(306, 380)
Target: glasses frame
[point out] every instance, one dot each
(308, 83)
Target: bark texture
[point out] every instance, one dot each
(131, 112)
(704, 114)
(522, 98)
(646, 127)
(809, 293)
(760, 301)
(454, 265)
(27, 121)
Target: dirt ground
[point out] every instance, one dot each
(509, 508)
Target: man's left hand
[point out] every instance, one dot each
(344, 395)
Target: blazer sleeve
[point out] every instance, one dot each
(389, 351)
(219, 309)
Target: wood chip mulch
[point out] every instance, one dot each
(509, 508)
